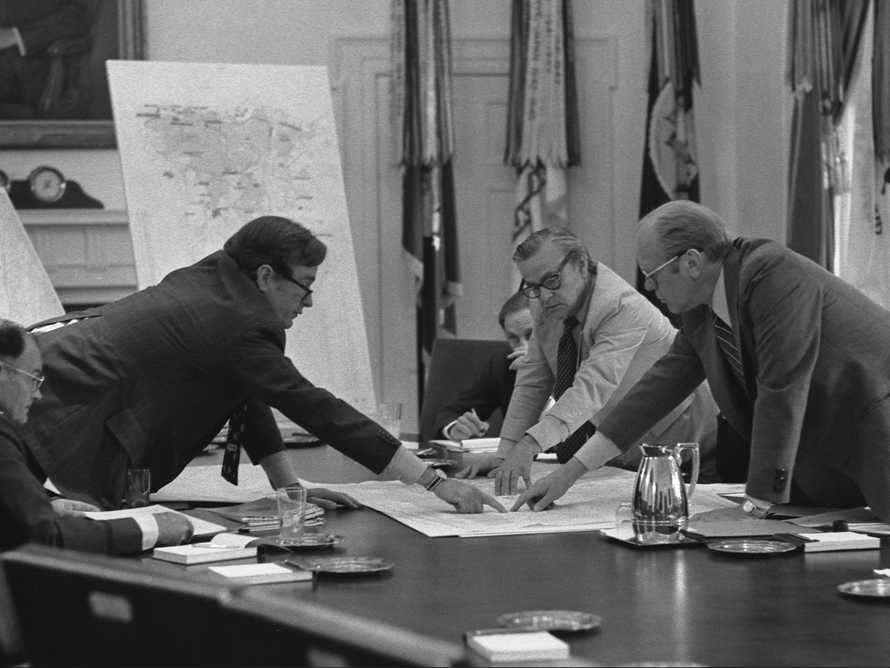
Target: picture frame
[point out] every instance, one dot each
(117, 34)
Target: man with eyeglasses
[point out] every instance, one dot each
(149, 380)
(798, 361)
(26, 512)
(594, 337)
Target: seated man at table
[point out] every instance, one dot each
(148, 381)
(26, 513)
(798, 360)
(493, 384)
(594, 337)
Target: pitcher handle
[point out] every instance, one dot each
(693, 479)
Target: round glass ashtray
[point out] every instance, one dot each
(551, 620)
(345, 565)
(876, 588)
(751, 547)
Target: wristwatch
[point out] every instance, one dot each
(431, 482)
(753, 510)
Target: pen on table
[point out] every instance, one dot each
(257, 529)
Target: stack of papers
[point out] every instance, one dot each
(263, 513)
(200, 528)
(469, 444)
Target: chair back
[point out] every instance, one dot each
(81, 609)
(272, 630)
(454, 364)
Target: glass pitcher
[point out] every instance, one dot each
(660, 499)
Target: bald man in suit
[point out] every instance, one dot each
(797, 359)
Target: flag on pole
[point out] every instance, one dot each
(421, 95)
(542, 118)
(670, 161)
(26, 293)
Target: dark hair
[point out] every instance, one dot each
(276, 241)
(516, 302)
(681, 225)
(12, 339)
(561, 238)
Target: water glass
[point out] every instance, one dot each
(137, 494)
(291, 501)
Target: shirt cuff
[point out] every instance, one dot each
(148, 525)
(593, 456)
(404, 466)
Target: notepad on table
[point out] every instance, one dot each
(837, 540)
(267, 573)
(496, 645)
(223, 547)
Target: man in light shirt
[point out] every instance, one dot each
(594, 337)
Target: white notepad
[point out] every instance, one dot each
(522, 646)
(267, 573)
(223, 547)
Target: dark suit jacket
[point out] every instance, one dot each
(816, 355)
(491, 389)
(150, 379)
(27, 516)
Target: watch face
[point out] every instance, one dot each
(47, 184)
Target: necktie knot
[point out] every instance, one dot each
(570, 323)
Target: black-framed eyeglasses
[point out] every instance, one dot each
(649, 276)
(299, 284)
(37, 380)
(552, 282)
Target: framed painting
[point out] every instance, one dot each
(53, 85)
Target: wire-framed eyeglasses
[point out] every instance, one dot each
(552, 282)
(650, 275)
(36, 379)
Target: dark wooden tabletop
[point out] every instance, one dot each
(688, 604)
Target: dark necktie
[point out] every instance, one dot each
(234, 439)
(729, 349)
(566, 357)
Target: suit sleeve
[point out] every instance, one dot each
(661, 389)
(534, 383)
(27, 516)
(267, 375)
(784, 313)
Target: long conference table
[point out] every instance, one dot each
(686, 605)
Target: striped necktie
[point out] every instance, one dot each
(729, 349)
(566, 357)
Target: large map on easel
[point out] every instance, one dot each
(205, 148)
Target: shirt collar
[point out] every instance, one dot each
(718, 300)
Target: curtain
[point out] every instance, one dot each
(823, 39)
(670, 162)
(542, 117)
(422, 111)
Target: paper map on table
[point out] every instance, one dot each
(588, 505)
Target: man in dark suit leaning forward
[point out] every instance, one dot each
(149, 380)
(797, 359)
